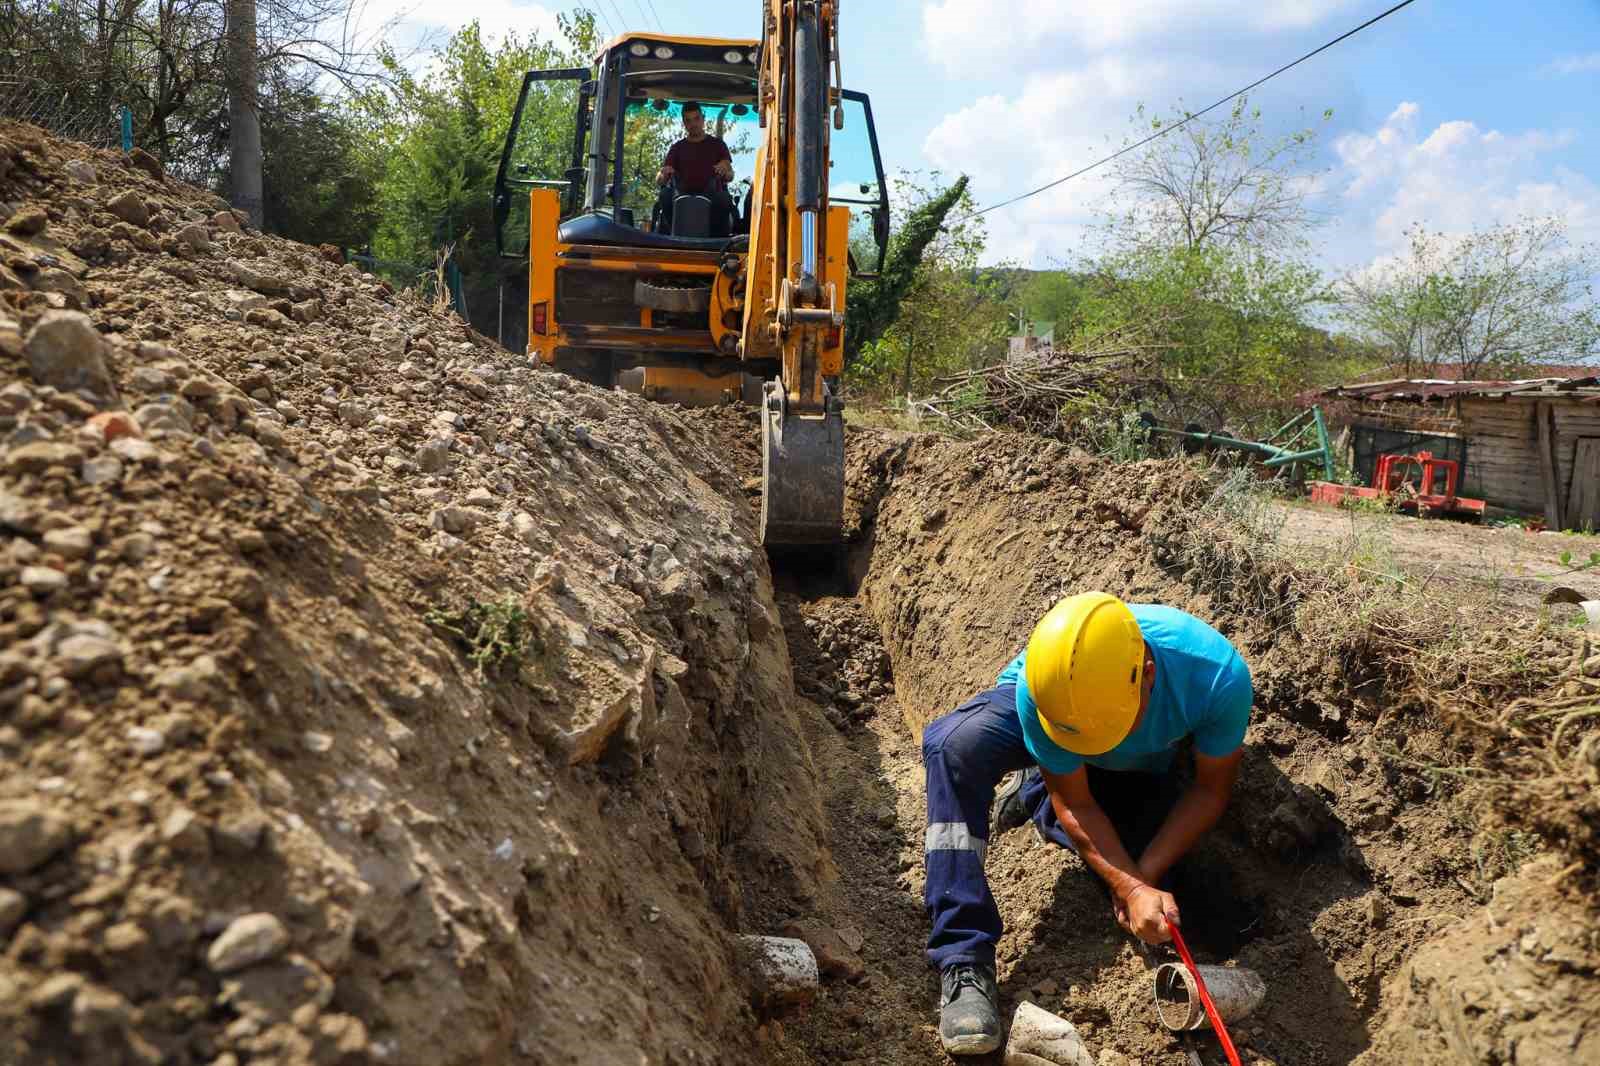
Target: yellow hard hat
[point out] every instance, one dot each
(1085, 671)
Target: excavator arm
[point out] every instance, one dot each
(795, 301)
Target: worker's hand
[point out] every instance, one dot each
(1145, 912)
(664, 175)
(724, 170)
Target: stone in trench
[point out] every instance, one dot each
(248, 940)
(146, 162)
(84, 655)
(433, 456)
(13, 905)
(74, 542)
(28, 222)
(834, 956)
(81, 170)
(30, 833)
(39, 456)
(130, 207)
(42, 580)
(103, 470)
(1039, 1038)
(780, 972)
(196, 237)
(66, 352)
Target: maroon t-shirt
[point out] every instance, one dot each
(694, 162)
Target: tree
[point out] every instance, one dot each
(1495, 301)
(321, 174)
(1214, 183)
(244, 116)
(1204, 261)
(183, 67)
(935, 311)
(873, 306)
(438, 140)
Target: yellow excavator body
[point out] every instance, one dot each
(712, 299)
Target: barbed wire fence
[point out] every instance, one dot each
(54, 108)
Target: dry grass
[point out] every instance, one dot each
(1519, 698)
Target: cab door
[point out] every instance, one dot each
(543, 149)
(856, 177)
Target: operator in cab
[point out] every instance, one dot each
(1088, 718)
(698, 165)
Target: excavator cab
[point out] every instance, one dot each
(687, 296)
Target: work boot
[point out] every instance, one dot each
(1008, 809)
(969, 1024)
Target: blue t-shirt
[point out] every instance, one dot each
(1202, 687)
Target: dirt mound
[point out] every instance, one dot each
(366, 694)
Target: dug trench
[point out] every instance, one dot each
(368, 695)
(1390, 922)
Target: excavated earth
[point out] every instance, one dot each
(269, 797)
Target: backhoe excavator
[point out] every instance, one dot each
(701, 304)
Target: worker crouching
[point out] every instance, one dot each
(1092, 709)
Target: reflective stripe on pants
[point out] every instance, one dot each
(965, 753)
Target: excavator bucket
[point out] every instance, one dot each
(802, 473)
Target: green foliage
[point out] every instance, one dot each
(319, 182)
(1054, 296)
(874, 305)
(1121, 437)
(438, 140)
(1204, 270)
(1494, 302)
(492, 634)
(934, 311)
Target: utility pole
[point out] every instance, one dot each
(244, 117)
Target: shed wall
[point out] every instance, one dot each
(1503, 447)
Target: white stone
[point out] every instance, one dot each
(248, 940)
(1039, 1038)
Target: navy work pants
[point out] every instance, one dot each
(965, 754)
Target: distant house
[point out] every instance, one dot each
(1530, 445)
(1034, 337)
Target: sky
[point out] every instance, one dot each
(1451, 113)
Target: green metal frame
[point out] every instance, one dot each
(1285, 447)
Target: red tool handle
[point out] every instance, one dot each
(1205, 996)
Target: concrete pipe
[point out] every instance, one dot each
(1235, 991)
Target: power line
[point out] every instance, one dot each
(656, 15)
(622, 21)
(610, 30)
(1190, 118)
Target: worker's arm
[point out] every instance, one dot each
(1139, 906)
(1196, 811)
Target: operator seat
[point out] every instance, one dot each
(691, 216)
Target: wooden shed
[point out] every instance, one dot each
(1536, 448)
(1531, 446)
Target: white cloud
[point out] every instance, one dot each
(412, 26)
(1453, 178)
(1584, 64)
(1057, 123)
(966, 36)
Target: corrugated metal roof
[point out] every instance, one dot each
(1423, 390)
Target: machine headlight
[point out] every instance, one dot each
(733, 55)
(639, 48)
(663, 52)
(752, 57)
